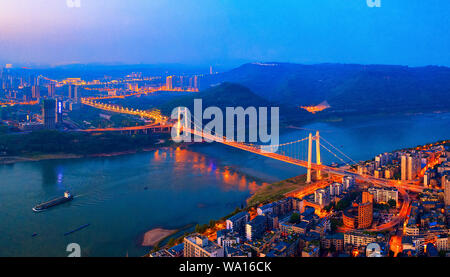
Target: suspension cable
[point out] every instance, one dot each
(338, 150)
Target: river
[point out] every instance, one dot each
(122, 197)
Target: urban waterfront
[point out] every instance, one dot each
(124, 196)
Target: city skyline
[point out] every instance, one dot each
(224, 34)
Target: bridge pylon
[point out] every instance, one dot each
(182, 124)
(308, 173)
(318, 160)
(178, 125)
(319, 173)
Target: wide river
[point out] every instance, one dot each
(124, 196)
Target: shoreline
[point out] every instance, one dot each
(154, 236)
(4, 160)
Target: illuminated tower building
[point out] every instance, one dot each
(210, 70)
(181, 82)
(169, 80)
(51, 90)
(133, 87)
(195, 81)
(404, 172)
(365, 211)
(59, 114)
(35, 93)
(446, 187)
(49, 113)
(413, 167)
(367, 197)
(73, 92)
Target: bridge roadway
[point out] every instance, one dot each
(131, 128)
(339, 171)
(12, 103)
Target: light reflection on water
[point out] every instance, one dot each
(121, 197)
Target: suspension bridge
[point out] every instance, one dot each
(300, 152)
(297, 152)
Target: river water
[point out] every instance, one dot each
(124, 196)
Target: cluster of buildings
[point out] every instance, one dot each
(428, 224)
(405, 165)
(361, 216)
(294, 227)
(57, 98)
(182, 82)
(299, 227)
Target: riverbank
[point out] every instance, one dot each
(264, 194)
(36, 158)
(276, 191)
(152, 237)
(43, 157)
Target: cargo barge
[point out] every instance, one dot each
(57, 201)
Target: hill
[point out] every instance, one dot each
(348, 88)
(223, 95)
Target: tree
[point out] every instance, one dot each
(171, 242)
(335, 223)
(343, 204)
(392, 203)
(295, 217)
(156, 247)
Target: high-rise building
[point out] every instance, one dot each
(196, 81)
(59, 113)
(413, 167)
(335, 189)
(35, 92)
(367, 197)
(348, 181)
(237, 222)
(73, 92)
(410, 166)
(197, 245)
(51, 90)
(49, 113)
(446, 187)
(169, 82)
(322, 197)
(256, 227)
(404, 167)
(365, 211)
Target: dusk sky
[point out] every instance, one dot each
(225, 32)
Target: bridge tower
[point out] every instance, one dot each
(180, 125)
(319, 173)
(318, 161)
(178, 122)
(308, 173)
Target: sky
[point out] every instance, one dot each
(224, 32)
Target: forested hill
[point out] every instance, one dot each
(348, 88)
